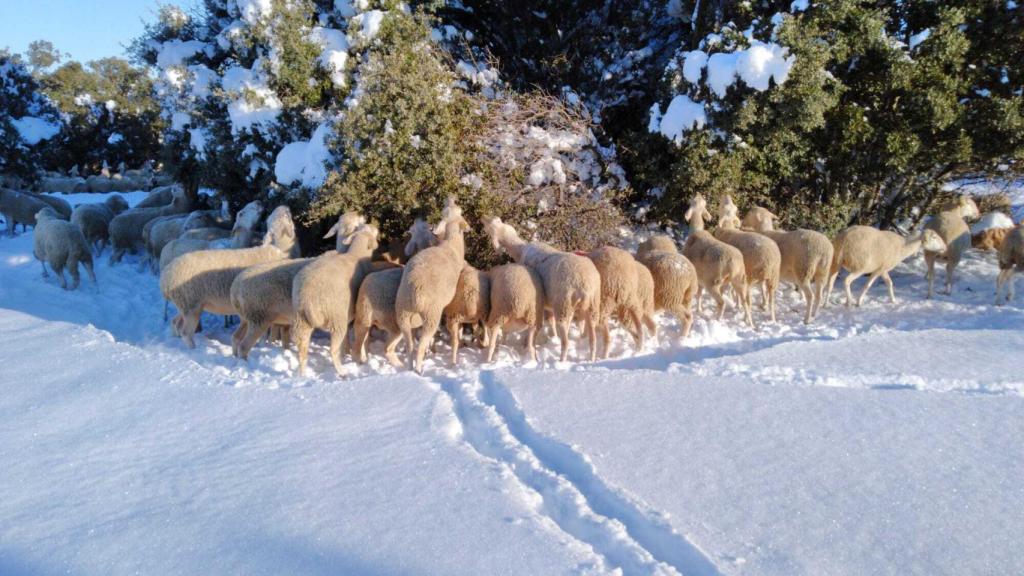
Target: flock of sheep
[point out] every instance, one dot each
(209, 263)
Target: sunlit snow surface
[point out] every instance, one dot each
(879, 440)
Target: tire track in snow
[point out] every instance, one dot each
(626, 534)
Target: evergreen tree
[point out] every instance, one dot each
(27, 120)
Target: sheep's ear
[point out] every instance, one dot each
(332, 231)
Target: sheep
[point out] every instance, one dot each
(375, 303)
(158, 197)
(806, 257)
(470, 305)
(627, 293)
(208, 233)
(60, 243)
(346, 225)
(990, 239)
(94, 219)
(718, 265)
(399, 250)
(202, 238)
(572, 284)
(159, 231)
(19, 208)
(516, 303)
(428, 285)
(728, 213)
(201, 280)
(951, 227)
(675, 278)
(866, 250)
(324, 293)
(261, 295)
(697, 213)
(59, 205)
(1011, 259)
(59, 183)
(126, 228)
(761, 256)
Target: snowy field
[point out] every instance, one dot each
(879, 440)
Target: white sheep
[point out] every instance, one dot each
(19, 208)
(806, 257)
(159, 231)
(94, 219)
(60, 206)
(952, 228)
(375, 303)
(324, 293)
(761, 257)
(572, 284)
(343, 229)
(470, 305)
(261, 295)
(61, 244)
(1011, 259)
(399, 250)
(428, 285)
(865, 250)
(158, 197)
(516, 303)
(675, 278)
(126, 228)
(718, 265)
(627, 294)
(201, 280)
(697, 213)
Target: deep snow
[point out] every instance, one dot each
(880, 440)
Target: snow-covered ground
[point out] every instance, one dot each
(880, 440)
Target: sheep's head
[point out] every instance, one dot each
(47, 214)
(968, 208)
(932, 242)
(116, 203)
(366, 235)
(499, 232)
(697, 211)
(346, 226)
(249, 216)
(281, 230)
(759, 219)
(451, 210)
(420, 237)
(447, 228)
(199, 219)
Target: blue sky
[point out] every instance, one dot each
(88, 29)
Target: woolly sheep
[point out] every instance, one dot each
(201, 280)
(94, 219)
(865, 250)
(516, 303)
(61, 244)
(718, 265)
(209, 234)
(158, 197)
(470, 305)
(989, 239)
(761, 257)
(627, 294)
(806, 257)
(951, 227)
(59, 205)
(261, 295)
(572, 284)
(428, 285)
(324, 293)
(343, 229)
(697, 213)
(126, 228)
(1011, 259)
(159, 231)
(375, 303)
(18, 208)
(675, 278)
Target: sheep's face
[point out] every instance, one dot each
(280, 229)
(420, 237)
(759, 219)
(698, 209)
(117, 204)
(248, 216)
(451, 210)
(932, 242)
(968, 209)
(346, 225)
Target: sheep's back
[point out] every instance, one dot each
(953, 230)
(330, 283)
(1011, 252)
(517, 292)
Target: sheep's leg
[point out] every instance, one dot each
(303, 335)
(389, 350)
(831, 284)
(744, 291)
(929, 260)
(562, 329)
(716, 293)
(1009, 287)
(764, 296)
(591, 329)
(454, 328)
(410, 344)
(286, 337)
(638, 329)
(59, 271)
(252, 336)
(493, 344)
(606, 337)
(237, 336)
(45, 273)
(950, 267)
(189, 322)
(531, 348)
(167, 305)
(651, 325)
(338, 339)
(362, 334)
(888, 283)
(700, 305)
(871, 280)
(808, 294)
(1000, 282)
(75, 278)
(850, 277)
(427, 333)
(771, 300)
(685, 317)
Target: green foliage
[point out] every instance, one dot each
(21, 97)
